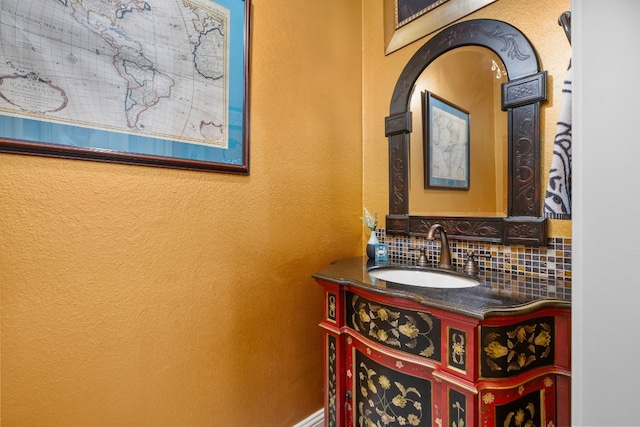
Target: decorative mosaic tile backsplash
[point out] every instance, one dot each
(551, 262)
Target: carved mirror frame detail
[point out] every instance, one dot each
(521, 98)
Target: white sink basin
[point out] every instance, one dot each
(424, 278)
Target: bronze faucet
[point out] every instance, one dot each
(445, 253)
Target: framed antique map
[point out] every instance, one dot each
(446, 144)
(150, 83)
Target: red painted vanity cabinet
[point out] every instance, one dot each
(392, 360)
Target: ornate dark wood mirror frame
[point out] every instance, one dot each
(521, 98)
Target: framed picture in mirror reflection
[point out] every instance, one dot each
(446, 144)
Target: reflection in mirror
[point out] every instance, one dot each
(470, 78)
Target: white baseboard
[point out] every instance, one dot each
(314, 420)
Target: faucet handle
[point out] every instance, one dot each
(470, 266)
(422, 261)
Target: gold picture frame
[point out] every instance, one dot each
(434, 16)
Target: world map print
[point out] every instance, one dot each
(151, 68)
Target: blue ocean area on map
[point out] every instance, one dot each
(82, 137)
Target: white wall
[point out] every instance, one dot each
(606, 243)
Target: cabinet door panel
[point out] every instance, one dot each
(386, 396)
(530, 404)
(458, 411)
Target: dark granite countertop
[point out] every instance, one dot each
(498, 294)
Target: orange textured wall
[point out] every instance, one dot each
(141, 296)
(538, 20)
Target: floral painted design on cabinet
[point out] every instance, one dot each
(516, 348)
(386, 397)
(457, 408)
(457, 349)
(528, 405)
(415, 332)
(331, 381)
(331, 306)
(524, 412)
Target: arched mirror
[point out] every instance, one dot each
(497, 198)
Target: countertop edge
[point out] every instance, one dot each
(480, 314)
